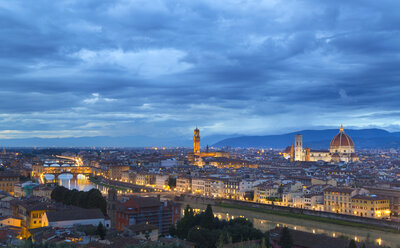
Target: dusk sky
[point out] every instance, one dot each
(158, 68)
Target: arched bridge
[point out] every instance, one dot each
(40, 170)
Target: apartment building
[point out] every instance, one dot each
(338, 200)
(371, 206)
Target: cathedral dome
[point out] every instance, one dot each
(342, 143)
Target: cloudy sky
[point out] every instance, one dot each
(72, 68)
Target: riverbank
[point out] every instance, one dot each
(124, 187)
(267, 221)
(102, 183)
(320, 216)
(307, 217)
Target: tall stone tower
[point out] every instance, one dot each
(196, 141)
(298, 147)
(112, 201)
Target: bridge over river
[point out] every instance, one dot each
(69, 165)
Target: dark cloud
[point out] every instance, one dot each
(76, 68)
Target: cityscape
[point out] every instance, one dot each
(137, 194)
(199, 124)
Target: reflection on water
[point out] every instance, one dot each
(80, 182)
(266, 222)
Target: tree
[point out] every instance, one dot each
(172, 231)
(91, 199)
(263, 243)
(220, 241)
(208, 219)
(101, 231)
(204, 238)
(352, 244)
(280, 190)
(286, 240)
(206, 231)
(172, 182)
(266, 238)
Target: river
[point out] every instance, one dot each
(266, 222)
(81, 182)
(263, 221)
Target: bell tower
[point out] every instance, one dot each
(196, 141)
(112, 201)
(298, 147)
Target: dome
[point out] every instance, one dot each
(342, 142)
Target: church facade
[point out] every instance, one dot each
(341, 150)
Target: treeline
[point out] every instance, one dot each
(206, 231)
(83, 199)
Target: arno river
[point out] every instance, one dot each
(266, 221)
(80, 183)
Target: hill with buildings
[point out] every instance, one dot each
(318, 139)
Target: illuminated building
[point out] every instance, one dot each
(30, 211)
(8, 181)
(115, 171)
(196, 141)
(183, 184)
(371, 206)
(339, 200)
(341, 150)
(263, 192)
(197, 155)
(392, 194)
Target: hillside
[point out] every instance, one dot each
(317, 139)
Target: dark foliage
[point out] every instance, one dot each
(101, 231)
(90, 199)
(172, 182)
(208, 219)
(286, 240)
(352, 244)
(206, 231)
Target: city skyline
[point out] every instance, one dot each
(199, 124)
(156, 70)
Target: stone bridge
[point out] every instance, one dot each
(40, 170)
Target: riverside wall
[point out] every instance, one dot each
(329, 215)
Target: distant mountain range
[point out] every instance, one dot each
(317, 139)
(106, 141)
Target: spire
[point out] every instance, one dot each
(341, 129)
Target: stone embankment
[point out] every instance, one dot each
(294, 211)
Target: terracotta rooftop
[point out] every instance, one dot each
(340, 190)
(74, 214)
